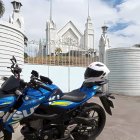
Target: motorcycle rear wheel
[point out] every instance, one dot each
(84, 133)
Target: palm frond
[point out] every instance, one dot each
(2, 8)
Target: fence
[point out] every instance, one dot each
(61, 54)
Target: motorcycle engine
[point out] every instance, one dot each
(36, 131)
(36, 124)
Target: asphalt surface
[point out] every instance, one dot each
(124, 124)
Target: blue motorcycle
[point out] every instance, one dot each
(47, 113)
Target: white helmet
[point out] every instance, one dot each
(96, 72)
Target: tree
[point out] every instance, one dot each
(2, 8)
(137, 45)
(58, 51)
(25, 55)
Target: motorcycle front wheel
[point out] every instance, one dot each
(90, 132)
(5, 135)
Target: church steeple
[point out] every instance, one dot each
(50, 10)
(88, 8)
(50, 33)
(89, 32)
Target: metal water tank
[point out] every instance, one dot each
(124, 64)
(12, 42)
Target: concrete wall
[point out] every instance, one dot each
(11, 43)
(124, 64)
(58, 74)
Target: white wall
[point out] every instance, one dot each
(58, 74)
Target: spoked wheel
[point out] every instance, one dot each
(5, 135)
(95, 113)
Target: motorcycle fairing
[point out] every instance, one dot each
(7, 86)
(26, 109)
(6, 103)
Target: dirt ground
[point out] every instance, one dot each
(124, 124)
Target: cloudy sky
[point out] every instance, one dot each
(121, 16)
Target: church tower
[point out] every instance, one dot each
(50, 34)
(103, 44)
(89, 33)
(50, 37)
(16, 17)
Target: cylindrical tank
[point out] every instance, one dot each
(124, 64)
(11, 44)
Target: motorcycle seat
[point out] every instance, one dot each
(74, 96)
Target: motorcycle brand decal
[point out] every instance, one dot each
(18, 115)
(6, 103)
(21, 114)
(14, 122)
(54, 98)
(61, 103)
(1, 113)
(50, 103)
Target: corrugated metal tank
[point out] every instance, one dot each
(11, 43)
(124, 64)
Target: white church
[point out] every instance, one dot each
(68, 38)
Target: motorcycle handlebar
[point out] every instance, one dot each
(33, 83)
(15, 69)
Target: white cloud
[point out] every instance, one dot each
(36, 13)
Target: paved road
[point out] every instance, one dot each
(123, 125)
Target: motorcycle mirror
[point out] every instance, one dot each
(35, 73)
(4, 78)
(14, 59)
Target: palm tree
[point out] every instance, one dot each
(2, 8)
(58, 51)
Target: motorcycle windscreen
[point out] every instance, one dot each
(11, 84)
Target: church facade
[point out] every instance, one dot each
(67, 39)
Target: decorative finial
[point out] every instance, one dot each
(104, 28)
(16, 5)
